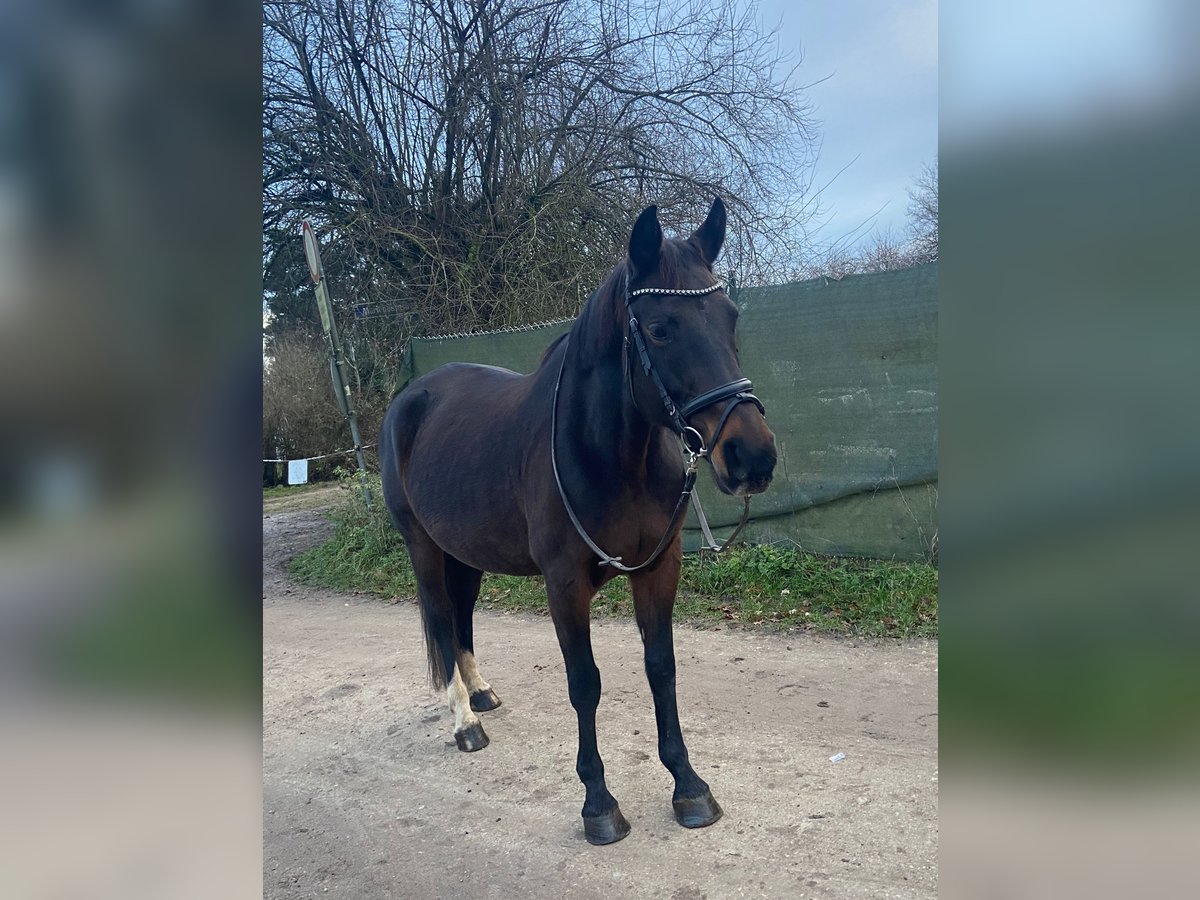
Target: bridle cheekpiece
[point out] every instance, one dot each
(736, 392)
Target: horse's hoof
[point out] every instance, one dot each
(605, 829)
(471, 738)
(696, 812)
(484, 701)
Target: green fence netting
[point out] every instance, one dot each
(848, 372)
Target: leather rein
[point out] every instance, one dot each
(691, 441)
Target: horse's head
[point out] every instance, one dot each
(686, 322)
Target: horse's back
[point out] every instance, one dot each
(454, 393)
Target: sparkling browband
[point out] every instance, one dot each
(720, 285)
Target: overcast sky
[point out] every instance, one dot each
(879, 102)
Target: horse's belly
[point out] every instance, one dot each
(489, 552)
(471, 514)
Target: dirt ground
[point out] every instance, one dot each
(366, 795)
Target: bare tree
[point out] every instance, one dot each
(299, 419)
(923, 213)
(300, 416)
(884, 250)
(474, 163)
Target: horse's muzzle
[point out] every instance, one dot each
(749, 465)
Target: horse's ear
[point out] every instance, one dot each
(711, 235)
(645, 242)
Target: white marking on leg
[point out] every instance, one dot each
(470, 672)
(460, 703)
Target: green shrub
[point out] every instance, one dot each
(772, 587)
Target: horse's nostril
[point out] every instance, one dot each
(766, 469)
(734, 459)
(758, 465)
(765, 474)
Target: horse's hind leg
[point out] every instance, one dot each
(438, 615)
(653, 600)
(462, 583)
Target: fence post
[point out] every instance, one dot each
(337, 362)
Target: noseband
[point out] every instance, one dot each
(694, 448)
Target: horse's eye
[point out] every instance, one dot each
(658, 332)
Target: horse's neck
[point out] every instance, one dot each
(598, 418)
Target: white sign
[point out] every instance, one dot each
(297, 471)
(311, 252)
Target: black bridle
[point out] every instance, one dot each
(692, 442)
(734, 391)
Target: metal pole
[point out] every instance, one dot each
(341, 386)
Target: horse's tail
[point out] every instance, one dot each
(437, 620)
(400, 427)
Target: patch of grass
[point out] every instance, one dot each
(766, 587)
(783, 587)
(292, 490)
(314, 495)
(365, 554)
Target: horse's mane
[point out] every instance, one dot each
(600, 322)
(550, 350)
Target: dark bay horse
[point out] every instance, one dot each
(485, 470)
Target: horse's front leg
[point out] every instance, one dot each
(570, 602)
(654, 599)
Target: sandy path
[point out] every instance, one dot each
(366, 795)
